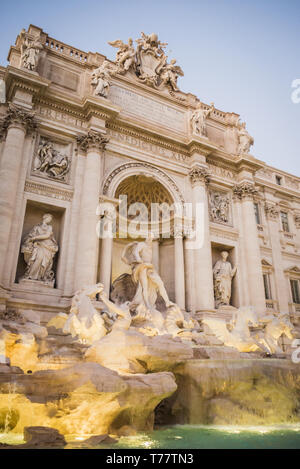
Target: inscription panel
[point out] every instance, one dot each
(141, 106)
(147, 146)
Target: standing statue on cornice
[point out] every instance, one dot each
(125, 57)
(30, 50)
(169, 74)
(244, 139)
(101, 78)
(198, 119)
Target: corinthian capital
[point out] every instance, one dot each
(18, 116)
(245, 190)
(297, 220)
(93, 140)
(271, 211)
(199, 174)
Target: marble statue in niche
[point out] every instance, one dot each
(223, 273)
(30, 51)
(219, 207)
(198, 119)
(39, 248)
(51, 162)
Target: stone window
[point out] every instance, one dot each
(278, 180)
(257, 213)
(295, 291)
(267, 285)
(284, 221)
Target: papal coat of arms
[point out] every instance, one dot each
(148, 61)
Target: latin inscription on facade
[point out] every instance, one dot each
(148, 109)
(146, 146)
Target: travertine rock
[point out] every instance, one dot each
(132, 352)
(83, 399)
(235, 392)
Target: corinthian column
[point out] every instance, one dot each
(200, 245)
(179, 269)
(244, 193)
(93, 144)
(272, 215)
(16, 123)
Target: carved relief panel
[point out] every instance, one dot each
(52, 159)
(220, 207)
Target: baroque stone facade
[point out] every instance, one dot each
(78, 128)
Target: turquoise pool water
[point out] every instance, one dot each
(199, 437)
(203, 437)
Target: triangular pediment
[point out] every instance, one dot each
(295, 269)
(266, 263)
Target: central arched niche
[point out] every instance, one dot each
(143, 189)
(147, 190)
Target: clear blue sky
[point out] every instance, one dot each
(241, 54)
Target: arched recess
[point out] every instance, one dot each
(126, 170)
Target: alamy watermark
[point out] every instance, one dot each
(165, 220)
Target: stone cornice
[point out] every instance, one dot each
(249, 163)
(100, 107)
(48, 191)
(201, 145)
(92, 140)
(17, 78)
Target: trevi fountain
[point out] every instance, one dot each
(117, 330)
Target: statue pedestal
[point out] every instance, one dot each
(36, 285)
(224, 312)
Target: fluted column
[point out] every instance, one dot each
(201, 246)
(87, 248)
(179, 270)
(189, 277)
(244, 192)
(16, 123)
(272, 215)
(106, 254)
